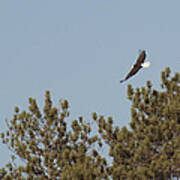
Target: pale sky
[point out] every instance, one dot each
(80, 50)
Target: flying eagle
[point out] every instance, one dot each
(139, 64)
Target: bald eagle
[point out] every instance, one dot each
(139, 64)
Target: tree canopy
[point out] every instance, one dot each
(51, 146)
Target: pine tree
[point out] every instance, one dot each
(151, 148)
(53, 147)
(48, 149)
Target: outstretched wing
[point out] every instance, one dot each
(141, 58)
(137, 66)
(131, 73)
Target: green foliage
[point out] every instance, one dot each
(53, 147)
(48, 149)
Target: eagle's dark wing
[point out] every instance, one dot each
(141, 58)
(137, 66)
(131, 73)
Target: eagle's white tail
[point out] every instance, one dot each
(146, 64)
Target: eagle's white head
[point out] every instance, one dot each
(146, 64)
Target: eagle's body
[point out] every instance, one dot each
(139, 64)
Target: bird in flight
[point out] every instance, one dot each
(138, 65)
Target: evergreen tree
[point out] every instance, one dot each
(48, 149)
(148, 149)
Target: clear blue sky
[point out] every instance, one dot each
(79, 50)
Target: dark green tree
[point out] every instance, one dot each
(48, 149)
(52, 146)
(151, 148)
